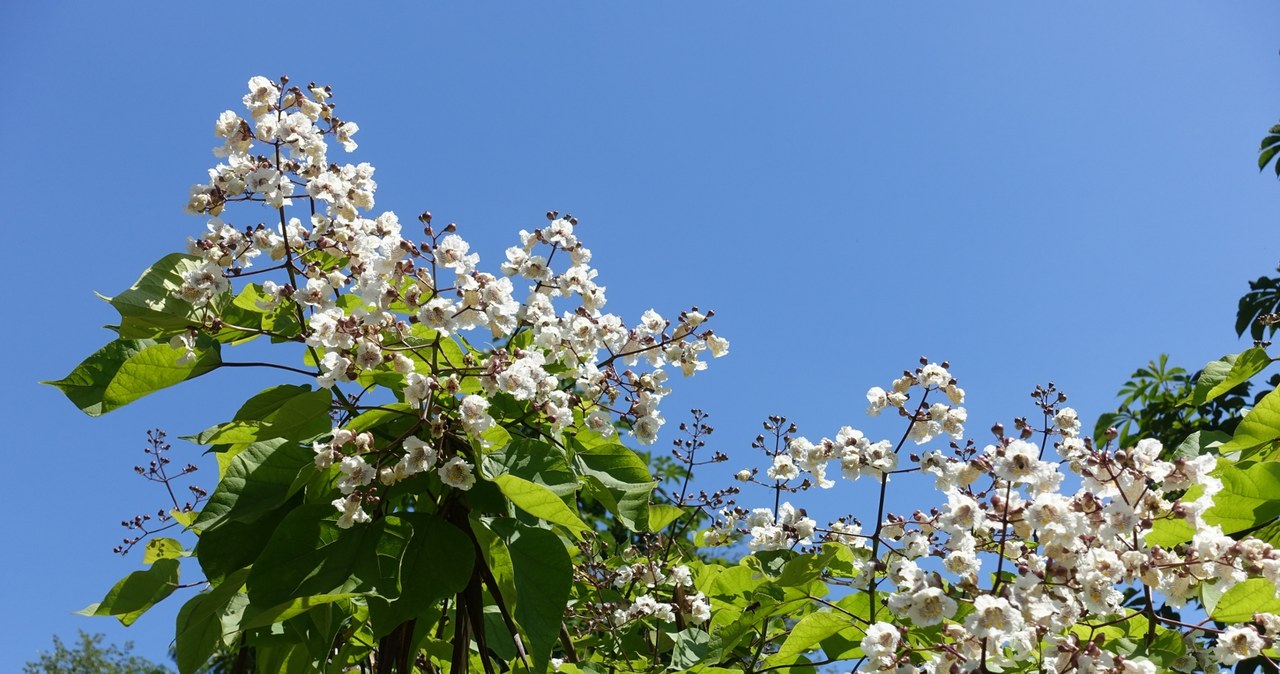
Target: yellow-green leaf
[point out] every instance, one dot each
(539, 501)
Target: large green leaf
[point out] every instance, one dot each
(1170, 531)
(162, 548)
(497, 557)
(1259, 426)
(265, 617)
(150, 308)
(807, 633)
(137, 592)
(235, 545)
(127, 369)
(620, 480)
(200, 626)
(539, 501)
(1249, 498)
(436, 562)
(543, 575)
(1226, 373)
(534, 461)
(310, 555)
(690, 649)
(260, 478)
(1242, 601)
(302, 415)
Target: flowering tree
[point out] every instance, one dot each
(419, 495)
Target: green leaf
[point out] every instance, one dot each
(1248, 498)
(806, 634)
(539, 501)
(150, 307)
(497, 557)
(258, 479)
(1199, 443)
(1255, 595)
(621, 481)
(127, 369)
(532, 460)
(298, 417)
(255, 618)
(162, 548)
(691, 647)
(661, 515)
(1170, 531)
(1260, 425)
(543, 575)
(1270, 146)
(200, 625)
(436, 563)
(1226, 373)
(137, 592)
(234, 545)
(310, 555)
(184, 517)
(493, 438)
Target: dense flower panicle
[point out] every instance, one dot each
(1066, 556)
(372, 302)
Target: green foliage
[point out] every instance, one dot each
(1268, 148)
(1169, 404)
(90, 656)
(127, 369)
(1258, 308)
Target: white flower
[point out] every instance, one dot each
(452, 253)
(263, 93)
(993, 617)
(1067, 421)
(1138, 665)
(351, 511)
(356, 473)
(649, 574)
(1236, 643)
(419, 456)
(934, 375)
(718, 346)
(475, 417)
(457, 474)
(877, 400)
(881, 640)
(930, 606)
(783, 468)
(336, 367)
(646, 429)
(699, 609)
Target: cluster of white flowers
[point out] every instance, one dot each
(370, 301)
(1069, 555)
(1024, 562)
(789, 527)
(650, 579)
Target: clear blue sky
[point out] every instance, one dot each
(1033, 191)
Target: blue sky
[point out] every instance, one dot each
(1035, 192)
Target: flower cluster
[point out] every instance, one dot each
(1011, 565)
(647, 590)
(371, 305)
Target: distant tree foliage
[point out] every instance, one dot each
(90, 656)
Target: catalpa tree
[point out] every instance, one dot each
(442, 480)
